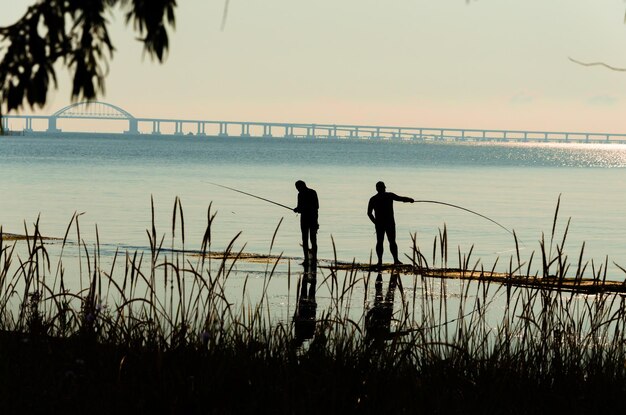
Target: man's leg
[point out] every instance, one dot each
(380, 238)
(393, 247)
(313, 231)
(305, 240)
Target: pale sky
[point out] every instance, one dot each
(423, 63)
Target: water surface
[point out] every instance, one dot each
(111, 180)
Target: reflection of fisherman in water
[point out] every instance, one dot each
(378, 318)
(380, 212)
(304, 317)
(308, 205)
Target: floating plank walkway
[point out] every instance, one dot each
(575, 285)
(579, 285)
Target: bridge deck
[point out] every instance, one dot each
(104, 112)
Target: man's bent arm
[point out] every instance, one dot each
(370, 209)
(298, 208)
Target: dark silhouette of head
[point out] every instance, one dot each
(300, 185)
(380, 187)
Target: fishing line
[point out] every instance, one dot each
(251, 195)
(465, 209)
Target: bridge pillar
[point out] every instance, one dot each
(223, 129)
(245, 130)
(288, 131)
(156, 127)
(29, 125)
(179, 128)
(267, 131)
(132, 126)
(334, 135)
(201, 129)
(5, 124)
(356, 132)
(52, 125)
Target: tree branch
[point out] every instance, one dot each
(613, 68)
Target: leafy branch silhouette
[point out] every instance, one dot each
(74, 33)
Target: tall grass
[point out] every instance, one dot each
(159, 332)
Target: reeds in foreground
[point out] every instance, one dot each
(157, 332)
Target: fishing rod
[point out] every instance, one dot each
(415, 201)
(465, 209)
(251, 195)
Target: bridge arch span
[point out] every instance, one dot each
(93, 109)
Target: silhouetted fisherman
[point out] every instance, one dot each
(308, 206)
(381, 205)
(378, 318)
(304, 317)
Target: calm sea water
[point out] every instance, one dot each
(112, 179)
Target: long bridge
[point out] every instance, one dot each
(102, 111)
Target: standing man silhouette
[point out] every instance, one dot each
(381, 205)
(308, 206)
